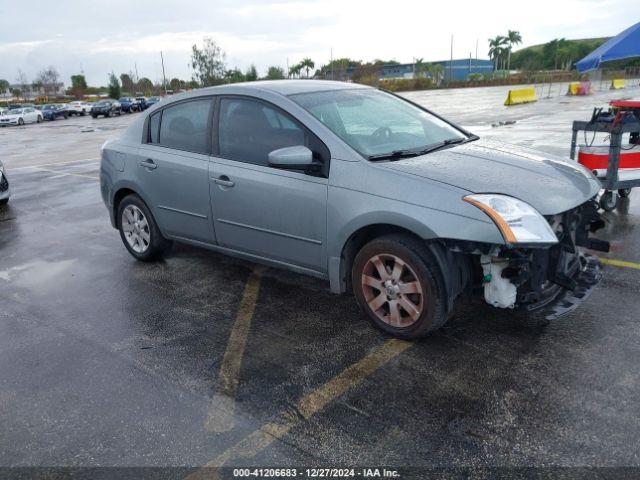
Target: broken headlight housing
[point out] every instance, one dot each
(518, 222)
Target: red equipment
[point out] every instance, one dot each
(597, 157)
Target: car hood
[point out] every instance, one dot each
(549, 183)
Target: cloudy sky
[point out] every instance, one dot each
(99, 36)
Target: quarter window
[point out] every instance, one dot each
(154, 128)
(184, 126)
(249, 130)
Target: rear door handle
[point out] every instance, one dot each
(224, 181)
(148, 163)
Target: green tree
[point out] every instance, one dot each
(175, 84)
(497, 50)
(4, 87)
(36, 86)
(275, 73)
(234, 75)
(145, 86)
(513, 38)
(294, 70)
(307, 64)
(251, 74)
(419, 67)
(128, 85)
(78, 86)
(114, 86)
(208, 63)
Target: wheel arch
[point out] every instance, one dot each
(361, 236)
(455, 268)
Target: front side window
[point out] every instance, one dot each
(249, 130)
(376, 123)
(184, 126)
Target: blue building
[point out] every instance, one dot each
(458, 69)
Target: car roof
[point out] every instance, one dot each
(282, 87)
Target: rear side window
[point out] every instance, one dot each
(184, 126)
(249, 130)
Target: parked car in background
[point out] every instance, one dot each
(54, 111)
(151, 101)
(78, 108)
(363, 188)
(106, 108)
(129, 104)
(20, 116)
(4, 186)
(142, 103)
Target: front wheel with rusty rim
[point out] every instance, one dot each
(398, 283)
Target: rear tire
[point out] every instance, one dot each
(139, 231)
(624, 192)
(3, 202)
(397, 282)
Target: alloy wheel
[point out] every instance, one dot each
(392, 290)
(136, 229)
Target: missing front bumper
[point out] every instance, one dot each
(586, 279)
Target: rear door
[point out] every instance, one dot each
(172, 169)
(265, 211)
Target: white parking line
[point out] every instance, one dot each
(53, 164)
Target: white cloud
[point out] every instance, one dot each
(267, 32)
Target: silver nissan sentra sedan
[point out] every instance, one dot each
(360, 187)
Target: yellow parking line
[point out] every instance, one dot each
(93, 177)
(306, 407)
(620, 263)
(221, 416)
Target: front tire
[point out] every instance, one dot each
(20, 122)
(39, 119)
(398, 283)
(608, 201)
(139, 231)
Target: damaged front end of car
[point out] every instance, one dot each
(548, 277)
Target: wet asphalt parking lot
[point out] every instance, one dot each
(206, 360)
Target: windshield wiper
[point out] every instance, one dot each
(398, 154)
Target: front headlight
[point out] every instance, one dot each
(518, 221)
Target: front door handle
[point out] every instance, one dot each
(224, 181)
(148, 163)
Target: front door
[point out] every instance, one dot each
(269, 212)
(172, 169)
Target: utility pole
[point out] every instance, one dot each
(288, 74)
(476, 50)
(451, 62)
(331, 63)
(135, 65)
(164, 78)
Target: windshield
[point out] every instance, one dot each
(15, 111)
(49, 107)
(103, 104)
(375, 122)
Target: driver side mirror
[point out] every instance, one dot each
(298, 157)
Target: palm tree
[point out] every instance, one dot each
(418, 67)
(513, 38)
(496, 50)
(295, 70)
(307, 64)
